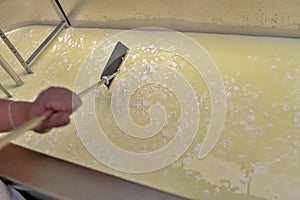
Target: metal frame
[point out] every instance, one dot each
(11, 72)
(15, 52)
(45, 43)
(5, 91)
(26, 64)
(38, 51)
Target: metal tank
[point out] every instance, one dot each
(206, 105)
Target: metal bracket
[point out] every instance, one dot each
(11, 72)
(60, 11)
(46, 42)
(65, 21)
(5, 91)
(15, 52)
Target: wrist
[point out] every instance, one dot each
(19, 112)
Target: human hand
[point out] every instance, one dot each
(58, 103)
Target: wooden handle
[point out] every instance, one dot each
(34, 122)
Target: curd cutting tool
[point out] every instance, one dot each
(110, 71)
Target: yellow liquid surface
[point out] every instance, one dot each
(256, 155)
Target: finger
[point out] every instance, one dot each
(56, 99)
(55, 120)
(42, 129)
(58, 119)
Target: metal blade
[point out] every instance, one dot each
(114, 62)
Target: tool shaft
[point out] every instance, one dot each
(101, 82)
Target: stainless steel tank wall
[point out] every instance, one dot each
(273, 17)
(19, 13)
